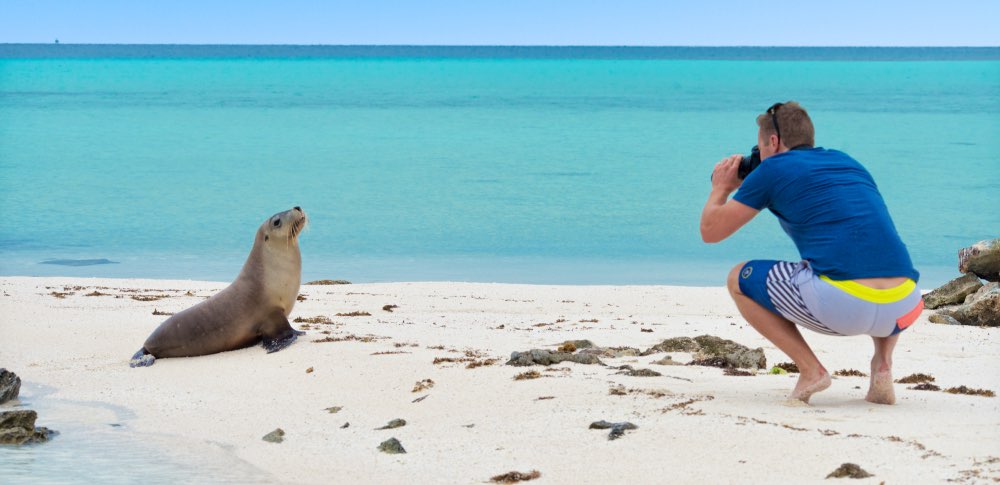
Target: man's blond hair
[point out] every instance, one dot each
(793, 122)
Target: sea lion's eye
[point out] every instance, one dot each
(277, 223)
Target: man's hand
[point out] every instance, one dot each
(722, 217)
(724, 177)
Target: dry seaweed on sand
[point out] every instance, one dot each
(328, 282)
(926, 386)
(732, 371)
(481, 363)
(849, 373)
(423, 385)
(970, 391)
(316, 319)
(789, 367)
(513, 477)
(355, 314)
(915, 379)
(531, 374)
(389, 308)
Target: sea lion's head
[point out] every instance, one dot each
(283, 227)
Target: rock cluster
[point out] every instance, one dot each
(18, 428)
(707, 350)
(966, 300)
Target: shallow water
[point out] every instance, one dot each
(96, 445)
(534, 166)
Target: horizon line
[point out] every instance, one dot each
(57, 42)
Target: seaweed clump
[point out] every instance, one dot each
(916, 379)
(850, 373)
(970, 391)
(513, 477)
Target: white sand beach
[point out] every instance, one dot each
(695, 424)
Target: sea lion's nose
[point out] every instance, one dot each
(298, 208)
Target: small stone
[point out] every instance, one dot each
(668, 360)
(276, 436)
(395, 423)
(617, 429)
(943, 319)
(849, 470)
(391, 446)
(639, 372)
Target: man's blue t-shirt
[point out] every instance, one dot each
(830, 206)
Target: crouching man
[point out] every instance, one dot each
(855, 276)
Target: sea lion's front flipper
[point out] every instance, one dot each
(277, 333)
(142, 359)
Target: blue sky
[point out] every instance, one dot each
(506, 22)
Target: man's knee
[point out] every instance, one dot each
(733, 280)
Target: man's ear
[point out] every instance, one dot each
(775, 142)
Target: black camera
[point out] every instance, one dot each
(749, 163)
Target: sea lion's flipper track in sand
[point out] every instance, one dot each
(277, 333)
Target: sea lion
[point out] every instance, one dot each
(253, 308)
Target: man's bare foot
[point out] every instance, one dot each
(880, 390)
(809, 385)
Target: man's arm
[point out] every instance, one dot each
(722, 217)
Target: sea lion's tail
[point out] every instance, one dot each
(142, 358)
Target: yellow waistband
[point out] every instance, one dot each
(888, 295)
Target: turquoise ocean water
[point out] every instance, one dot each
(530, 165)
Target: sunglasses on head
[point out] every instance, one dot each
(773, 111)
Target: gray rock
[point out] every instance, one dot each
(629, 371)
(943, 319)
(953, 292)
(712, 350)
(678, 344)
(982, 258)
(735, 355)
(276, 436)
(18, 428)
(580, 344)
(849, 470)
(617, 429)
(395, 423)
(10, 385)
(982, 310)
(612, 352)
(545, 357)
(391, 446)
